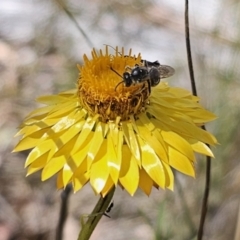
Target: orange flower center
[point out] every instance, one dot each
(98, 89)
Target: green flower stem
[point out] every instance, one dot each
(95, 216)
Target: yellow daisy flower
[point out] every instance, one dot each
(110, 136)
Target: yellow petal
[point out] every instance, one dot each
(198, 133)
(46, 146)
(66, 174)
(69, 93)
(86, 130)
(157, 146)
(145, 182)
(63, 109)
(184, 109)
(134, 124)
(152, 164)
(55, 112)
(79, 155)
(188, 130)
(52, 167)
(179, 92)
(154, 139)
(130, 138)
(133, 143)
(80, 176)
(169, 177)
(180, 162)
(108, 186)
(173, 114)
(39, 113)
(157, 134)
(29, 142)
(112, 159)
(38, 164)
(27, 130)
(80, 181)
(118, 161)
(146, 122)
(67, 140)
(172, 104)
(100, 169)
(129, 173)
(202, 116)
(179, 143)
(54, 144)
(96, 141)
(116, 136)
(51, 99)
(59, 180)
(200, 147)
(68, 121)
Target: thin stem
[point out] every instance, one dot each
(63, 212)
(72, 18)
(95, 216)
(208, 159)
(205, 196)
(189, 53)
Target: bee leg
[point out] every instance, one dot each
(149, 86)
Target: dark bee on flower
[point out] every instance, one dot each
(152, 72)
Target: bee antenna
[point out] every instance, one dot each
(119, 76)
(118, 85)
(115, 72)
(109, 46)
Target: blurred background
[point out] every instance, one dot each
(40, 47)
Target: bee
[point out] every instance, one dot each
(152, 72)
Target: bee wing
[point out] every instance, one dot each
(165, 71)
(149, 64)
